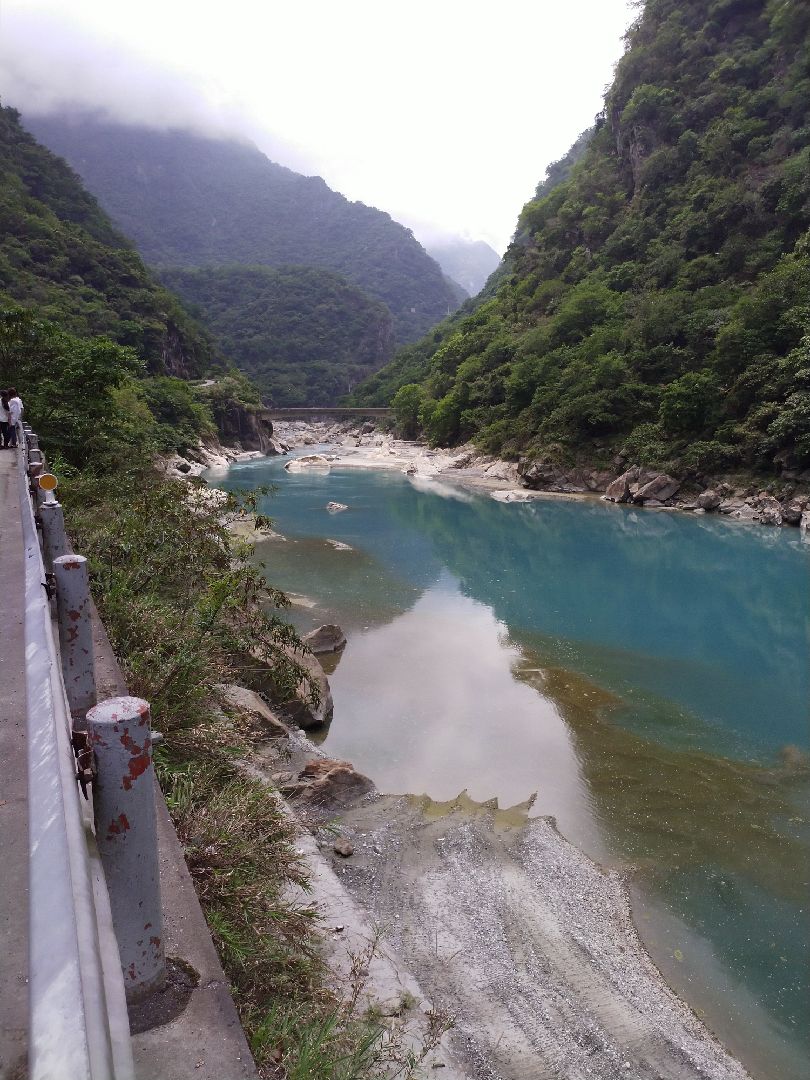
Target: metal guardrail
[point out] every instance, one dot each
(79, 1028)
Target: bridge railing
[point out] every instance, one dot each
(78, 1015)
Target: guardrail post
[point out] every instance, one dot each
(54, 537)
(126, 834)
(32, 440)
(75, 633)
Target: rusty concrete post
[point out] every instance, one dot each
(126, 833)
(54, 537)
(75, 633)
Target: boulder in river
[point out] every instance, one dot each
(336, 507)
(298, 708)
(709, 499)
(326, 639)
(308, 461)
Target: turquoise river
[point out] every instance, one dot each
(646, 674)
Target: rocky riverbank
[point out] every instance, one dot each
(783, 501)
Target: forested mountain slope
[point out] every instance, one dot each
(190, 201)
(61, 257)
(659, 298)
(305, 336)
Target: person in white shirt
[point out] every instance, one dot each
(15, 408)
(5, 433)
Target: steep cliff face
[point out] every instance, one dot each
(655, 300)
(248, 426)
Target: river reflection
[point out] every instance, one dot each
(645, 674)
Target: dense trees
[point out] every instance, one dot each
(304, 335)
(657, 292)
(60, 255)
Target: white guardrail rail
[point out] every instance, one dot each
(79, 1028)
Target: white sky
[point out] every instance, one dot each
(445, 113)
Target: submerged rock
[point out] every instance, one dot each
(515, 495)
(336, 507)
(326, 639)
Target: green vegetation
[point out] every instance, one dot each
(306, 336)
(189, 201)
(656, 296)
(60, 256)
(187, 609)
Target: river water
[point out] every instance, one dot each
(644, 676)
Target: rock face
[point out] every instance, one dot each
(251, 428)
(328, 638)
(239, 697)
(326, 783)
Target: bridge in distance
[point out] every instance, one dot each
(336, 413)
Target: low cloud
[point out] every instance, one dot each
(49, 65)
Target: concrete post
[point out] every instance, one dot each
(54, 538)
(75, 633)
(32, 440)
(126, 833)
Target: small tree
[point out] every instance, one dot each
(406, 404)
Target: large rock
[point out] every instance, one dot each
(239, 697)
(296, 708)
(804, 525)
(328, 638)
(619, 490)
(659, 489)
(308, 461)
(336, 507)
(326, 783)
(792, 512)
(709, 499)
(769, 509)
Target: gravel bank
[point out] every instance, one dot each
(528, 944)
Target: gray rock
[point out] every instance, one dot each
(326, 639)
(297, 708)
(619, 490)
(709, 499)
(792, 512)
(336, 507)
(804, 524)
(769, 510)
(239, 697)
(660, 488)
(328, 783)
(342, 847)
